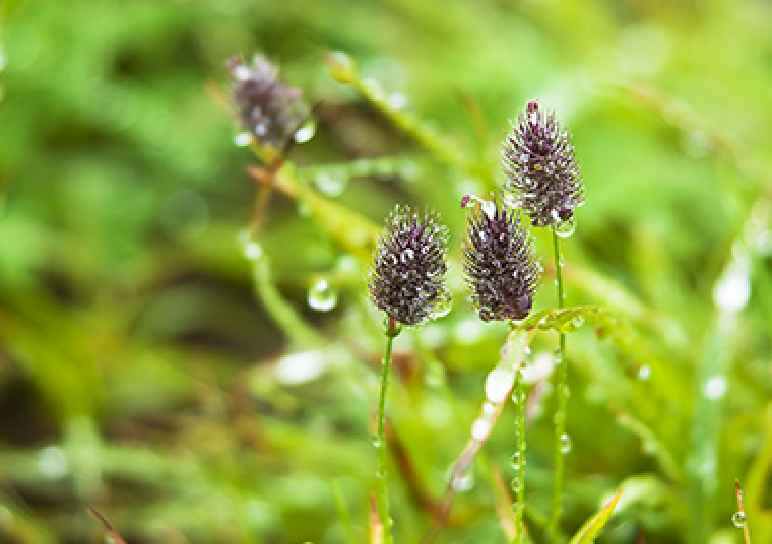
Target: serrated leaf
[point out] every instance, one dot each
(593, 526)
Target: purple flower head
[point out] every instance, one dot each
(499, 264)
(270, 110)
(539, 161)
(408, 276)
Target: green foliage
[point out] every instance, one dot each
(593, 526)
(163, 367)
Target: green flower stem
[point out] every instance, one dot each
(519, 488)
(561, 391)
(382, 475)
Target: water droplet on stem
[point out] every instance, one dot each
(565, 228)
(322, 297)
(565, 443)
(739, 519)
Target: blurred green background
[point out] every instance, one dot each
(152, 370)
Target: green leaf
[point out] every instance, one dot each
(593, 526)
(567, 319)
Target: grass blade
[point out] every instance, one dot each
(593, 526)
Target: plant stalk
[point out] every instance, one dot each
(380, 441)
(561, 391)
(519, 484)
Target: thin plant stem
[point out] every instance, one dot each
(519, 460)
(380, 441)
(561, 391)
(738, 491)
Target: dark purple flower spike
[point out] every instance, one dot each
(408, 276)
(270, 110)
(499, 264)
(539, 161)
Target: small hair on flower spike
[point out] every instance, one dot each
(407, 280)
(270, 110)
(499, 263)
(539, 161)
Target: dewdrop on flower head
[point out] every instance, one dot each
(267, 108)
(539, 161)
(499, 265)
(408, 276)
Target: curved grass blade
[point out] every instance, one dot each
(593, 526)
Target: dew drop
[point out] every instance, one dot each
(644, 373)
(52, 462)
(377, 443)
(321, 296)
(373, 86)
(397, 101)
(565, 229)
(515, 460)
(242, 72)
(516, 484)
(242, 139)
(511, 201)
(330, 184)
(481, 429)
(739, 519)
(442, 306)
(463, 482)
(306, 132)
(565, 443)
(498, 384)
(715, 387)
(518, 397)
(488, 207)
(733, 290)
(252, 250)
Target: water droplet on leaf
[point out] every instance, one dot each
(739, 519)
